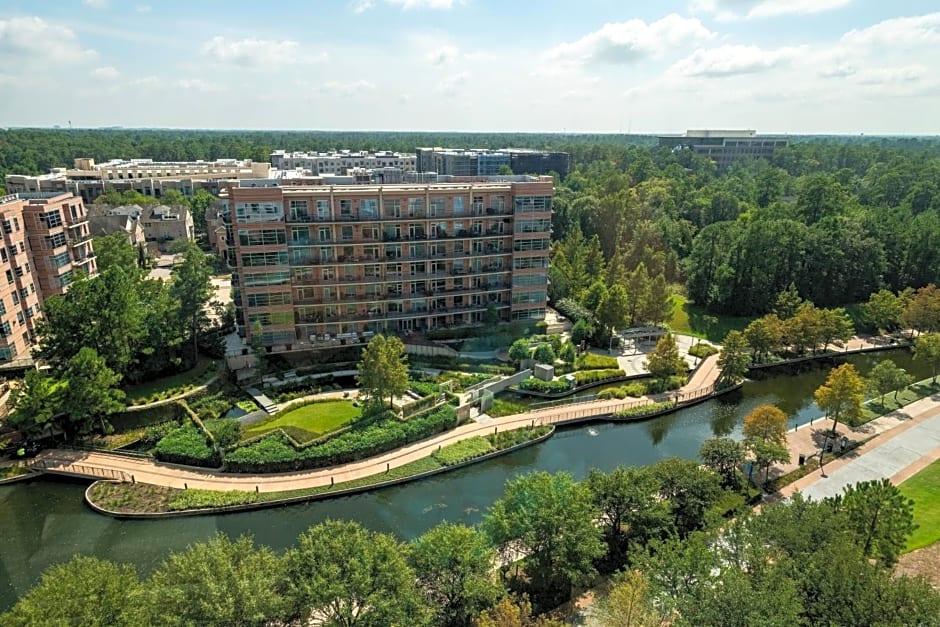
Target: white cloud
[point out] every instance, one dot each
(107, 73)
(451, 85)
(95, 4)
(728, 10)
(901, 32)
(143, 8)
(443, 55)
(623, 43)
(32, 40)
(145, 81)
(256, 53)
(407, 5)
(197, 84)
(346, 89)
(361, 6)
(729, 60)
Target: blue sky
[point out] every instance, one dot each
(789, 66)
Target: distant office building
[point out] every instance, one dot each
(319, 265)
(342, 161)
(726, 147)
(484, 162)
(151, 178)
(46, 244)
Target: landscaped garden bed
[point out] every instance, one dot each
(308, 421)
(559, 388)
(138, 498)
(173, 385)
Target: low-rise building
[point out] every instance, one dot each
(160, 224)
(338, 162)
(485, 162)
(89, 180)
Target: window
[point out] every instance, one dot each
(259, 212)
(3, 307)
(3, 254)
(7, 227)
(345, 208)
(298, 209)
(324, 234)
(299, 236)
(29, 312)
(55, 241)
(264, 259)
(5, 329)
(264, 300)
(262, 237)
(391, 207)
(9, 276)
(24, 293)
(368, 208)
(347, 233)
(531, 204)
(438, 206)
(51, 219)
(19, 317)
(458, 205)
(267, 278)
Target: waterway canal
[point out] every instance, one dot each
(46, 521)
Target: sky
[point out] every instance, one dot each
(628, 66)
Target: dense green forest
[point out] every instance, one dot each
(839, 217)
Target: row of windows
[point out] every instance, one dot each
(532, 226)
(524, 263)
(527, 280)
(262, 237)
(253, 279)
(528, 297)
(258, 211)
(264, 300)
(392, 207)
(531, 204)
(8, 253)
(264, 259)
(532, 244)
(527, 314)
(271, 317)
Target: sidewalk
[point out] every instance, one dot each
(899, 444)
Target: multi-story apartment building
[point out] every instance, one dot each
(484, 162)
(46, 242)
(324, 265)
(340, 162)
(726, 147)
(151, 178)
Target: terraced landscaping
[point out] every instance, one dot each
(311, 421)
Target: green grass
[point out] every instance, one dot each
(690, 319)
(172, 385)
(506, 407)
(924, 489)
(247, 405)
(887, 403)
(317, 419)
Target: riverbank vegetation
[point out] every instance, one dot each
(666, 527)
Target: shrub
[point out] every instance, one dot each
(573, 310)
(584, 377)
(425, 388)
(545, 387)
(702, 350)
(226, 431)
(187, 445)
(153, 434)
(544, 353)
(591, 361)
(462, 451)
(658, 386)
(642, 410)
(508, 439)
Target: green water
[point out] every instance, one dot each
(45, 521)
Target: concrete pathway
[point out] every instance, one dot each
(898, 445)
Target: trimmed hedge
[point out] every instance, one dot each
(591, 361)
(154, 433)
(584, 377)
(274, 453)
(556, 386)
(507, 439)
(425, 388)
(658, 386)
(187, 445)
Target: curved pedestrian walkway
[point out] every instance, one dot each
(144, 470)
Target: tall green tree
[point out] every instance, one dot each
(629, 603)
(192, 288)
(340, 574)
(550, 518)
(218, 582)
(883, 310)
(788, 302)
(733, 360)
(665, 361)
(612, 310)
(383, 371)
(881, 517)
(927, 349)
(766, 422)
(689, 489)
(631, 512)
(37, 402)
(453, 564)
(114, 250)
(764, 335)
(82, 591)
(888, 377)
(723, 456)
(90, 393)
(841, 395)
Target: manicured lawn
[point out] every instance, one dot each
(887, 403)
(315, 419)
(173, 384)
(690, 319)
(924, 489)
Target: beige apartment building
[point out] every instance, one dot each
(330, 265)
(46, 244)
